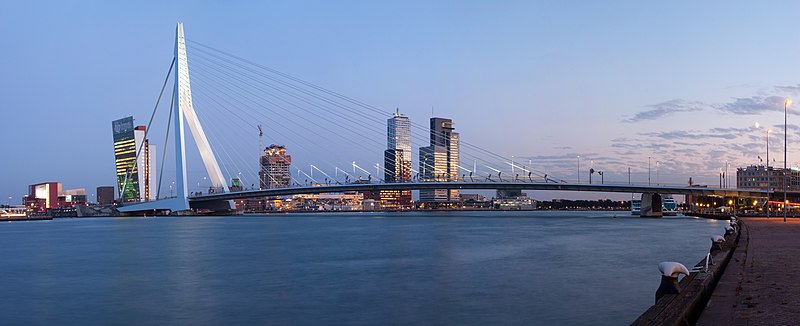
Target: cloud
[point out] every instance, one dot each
(753, 105)
(689, 134)
(666, 108)
(795, 89)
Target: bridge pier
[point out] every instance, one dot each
(651, 205)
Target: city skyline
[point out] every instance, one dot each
(643, 86)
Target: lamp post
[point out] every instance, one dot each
(769, 175)
(726, 174)
(648, 170)
(579, 169)
(786, 104)
(658, 179)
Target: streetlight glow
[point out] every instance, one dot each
(786, 104)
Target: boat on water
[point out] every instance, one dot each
(668, 206)
(636, 207)
(13, 213)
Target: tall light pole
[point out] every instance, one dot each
(579, 169)
(786, 104)
(658, 179)
(726, 174)
(769, 175)
(648, 170)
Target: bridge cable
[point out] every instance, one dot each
(139, 152)
(166, 142)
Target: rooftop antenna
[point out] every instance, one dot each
(397, 112)
(432, 111)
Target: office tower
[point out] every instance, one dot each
(147, 161)
(138, 179)
(397, 160)
(439, 162)
(275, 166)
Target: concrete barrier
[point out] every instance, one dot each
(695, 289)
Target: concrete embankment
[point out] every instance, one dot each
(760, 286)
(695, 289)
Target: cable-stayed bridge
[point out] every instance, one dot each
(228, 98)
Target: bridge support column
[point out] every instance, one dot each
(651, 205)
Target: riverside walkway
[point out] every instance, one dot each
(761, 284)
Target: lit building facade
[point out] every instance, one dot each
(135, 175)
(275, 168)
(760, 178)
(42, 196)
(48, 195)
(397, 161)
(439, 162)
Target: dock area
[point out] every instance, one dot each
(760, 285)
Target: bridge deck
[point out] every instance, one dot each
(624, 188)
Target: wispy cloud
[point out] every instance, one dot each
(753, 105)
(792, 89)
(662, 109)
(689, 134)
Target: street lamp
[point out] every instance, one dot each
(786, 104)
(658, 179)
(648, 170)
(769, 175)
(726, 173)
(579, 169)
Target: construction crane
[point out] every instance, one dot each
(260, 141)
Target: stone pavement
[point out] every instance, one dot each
(761, 285)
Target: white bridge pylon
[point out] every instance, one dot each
(184, 110)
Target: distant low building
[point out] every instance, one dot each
(42, 196)
(519, 203)
(236, 185)
(758, 177)
(105, 195)
(474, 201)
(48, 195)
(72, 198)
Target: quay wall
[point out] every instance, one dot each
(685, 307)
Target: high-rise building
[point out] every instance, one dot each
(397, 161)
(135, 175)
(439, 162)
(275, 166)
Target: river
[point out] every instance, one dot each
(455, 268)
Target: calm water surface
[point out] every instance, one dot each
(465, 268)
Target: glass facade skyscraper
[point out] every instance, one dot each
(138, 179)
(397, 160)
(439, 162)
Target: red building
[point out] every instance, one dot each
(47, 195)
(43, 196)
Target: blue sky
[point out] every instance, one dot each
(614, 82)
